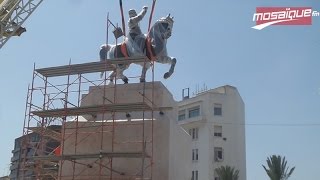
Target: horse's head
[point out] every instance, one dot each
(165, 26)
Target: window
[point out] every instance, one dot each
(194, 175)
(217, 109)
(217, 131)
(218, 154)
(194, 133)
(194, 112)
(195, 155)
(181, 115)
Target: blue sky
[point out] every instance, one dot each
(276, 70)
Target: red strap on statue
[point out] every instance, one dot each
(124, 50)
(151, 56)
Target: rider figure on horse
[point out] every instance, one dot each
(135, 39)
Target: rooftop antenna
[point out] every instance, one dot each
(199, 90)
(204, 88)
(196, 91)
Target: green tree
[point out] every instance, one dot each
(278, 169)
(227, 173)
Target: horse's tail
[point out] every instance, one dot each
(104, 51)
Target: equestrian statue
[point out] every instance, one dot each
(136, 44)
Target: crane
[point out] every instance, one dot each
(13, 13)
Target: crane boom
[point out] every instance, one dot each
(13, 13)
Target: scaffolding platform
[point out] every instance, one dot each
(46, 132)
(91, 67)
(93, 156)
(93, 110)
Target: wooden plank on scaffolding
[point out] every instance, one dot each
(47, 132)
(97, 109)
(90, 67)
(92, 156)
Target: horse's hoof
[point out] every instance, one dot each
(125, 80)
(142, 80)
(166, 75)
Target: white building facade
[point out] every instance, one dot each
(215, 121)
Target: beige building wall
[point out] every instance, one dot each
(171, 143)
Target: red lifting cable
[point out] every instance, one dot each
(151, 14)
(123, 24)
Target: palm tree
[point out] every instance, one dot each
(227, 173)
(278, 169)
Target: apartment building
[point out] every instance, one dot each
(24, 153)
(215, 121)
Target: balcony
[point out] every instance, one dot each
(190, 114)
(190, 119)
(15, 150)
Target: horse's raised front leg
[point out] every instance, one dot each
(168, 60)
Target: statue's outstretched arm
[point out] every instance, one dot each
(140, 16)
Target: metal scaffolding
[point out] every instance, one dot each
(54, 99)
(60, 126)
(66, 126)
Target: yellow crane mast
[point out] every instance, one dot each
(13, 13)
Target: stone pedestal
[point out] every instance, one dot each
(166, 144)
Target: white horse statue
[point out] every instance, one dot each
(151, 45)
